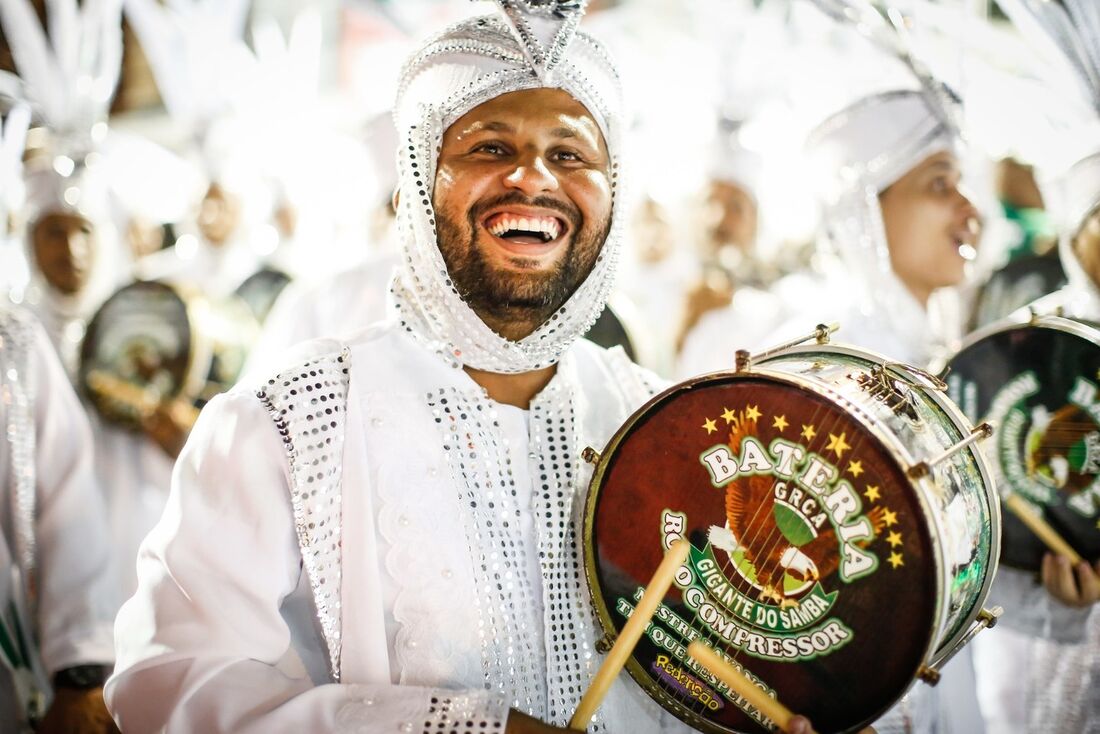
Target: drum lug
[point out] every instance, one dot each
(604, 644)
(591, 455)
(987, 618)
(922, 469)
(929, 675)
(742, 360)
(820, 335)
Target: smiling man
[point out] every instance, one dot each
(385, 536)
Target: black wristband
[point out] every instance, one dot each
(82, 677)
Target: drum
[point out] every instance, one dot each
(152, 341)
(1037, 382)
(843, 535)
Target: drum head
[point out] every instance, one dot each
(141, 335)
(1038, 385)
(811, 565)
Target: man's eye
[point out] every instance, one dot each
(567, 155)
(940, 185)
(490, 148)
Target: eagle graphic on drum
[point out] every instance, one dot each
(1063, 448)
(777, 550)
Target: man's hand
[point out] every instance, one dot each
(521, 723)
(169, 425)
(1073, 586)
(78, 711)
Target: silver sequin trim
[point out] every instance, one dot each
(17, 389)
(308, 406)
(543, 676)
(460, 714)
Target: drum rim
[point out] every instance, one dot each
(603, 614)
(1023, 321)
(992, 498)
(198, 344)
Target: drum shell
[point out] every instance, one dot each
(942, 424)
(830, 372)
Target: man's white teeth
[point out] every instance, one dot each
(547, 225)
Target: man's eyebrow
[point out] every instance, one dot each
(494, 126)
(943, 165)
(563, 132)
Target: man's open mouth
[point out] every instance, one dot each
(525, 229)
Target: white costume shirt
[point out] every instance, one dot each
(69, 530)
(440, 537)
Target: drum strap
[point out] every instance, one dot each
(308, 405)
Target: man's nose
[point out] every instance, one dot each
(532, 176)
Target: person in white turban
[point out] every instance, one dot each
(386, 535)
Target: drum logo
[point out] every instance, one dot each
(1045, 453)
(792, 521)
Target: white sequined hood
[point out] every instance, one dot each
(856, 154)
(528, 45)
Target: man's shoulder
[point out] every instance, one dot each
(303, 356)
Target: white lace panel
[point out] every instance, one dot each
(559, 507)
(542, 665)
(513, 658)
(308, 405)
(425, 711)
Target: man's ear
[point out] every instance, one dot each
(396, 199)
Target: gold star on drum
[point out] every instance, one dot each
(843, 535)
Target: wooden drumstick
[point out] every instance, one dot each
(631, 633)
(741, 685)
(1036, 524)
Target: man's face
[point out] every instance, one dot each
(928, 223)
(730, 216)
(219, 215)
(523, 205)
(1086, 244)
(64, 248)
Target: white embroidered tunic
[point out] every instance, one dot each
(431, 562)
(59, 531)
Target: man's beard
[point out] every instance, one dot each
(504, 296)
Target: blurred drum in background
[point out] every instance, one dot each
(1036, 379)
(153, 342)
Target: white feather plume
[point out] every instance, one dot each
(197, 54)
(1069, 30)
(69, 74)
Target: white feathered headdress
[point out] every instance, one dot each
(197, 53)
(70, 75)
(1069, 30)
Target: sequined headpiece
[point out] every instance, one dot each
(530, 44)
(858, 152)
(69, 76)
